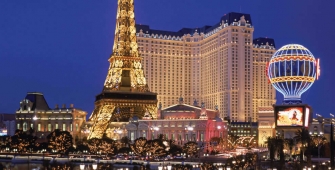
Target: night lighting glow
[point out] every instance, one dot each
(306, 117)
(292, 70)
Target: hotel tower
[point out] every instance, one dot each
(220, 65)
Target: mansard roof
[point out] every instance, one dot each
(235, 17)
(38, 100)
(227, 18)
(263, 40)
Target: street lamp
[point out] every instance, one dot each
(94, 166)
(160, 167)
(169, 167)
(82, 166)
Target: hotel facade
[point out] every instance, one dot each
(34, 113)
(221, 65)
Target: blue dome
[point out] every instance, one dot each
(292, 70)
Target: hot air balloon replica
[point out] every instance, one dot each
(292, 70)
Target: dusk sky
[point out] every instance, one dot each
(61, 47)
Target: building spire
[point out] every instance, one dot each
(125, 71)
(125, 32)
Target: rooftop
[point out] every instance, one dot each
(264, 41)
(227, 19)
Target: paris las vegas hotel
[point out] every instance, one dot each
(221, 65)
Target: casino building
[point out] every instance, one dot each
(180, 122)
(220, 65)
(35, 113)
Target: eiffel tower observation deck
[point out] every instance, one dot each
(125, 93)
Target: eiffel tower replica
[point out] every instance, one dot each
(125, 93)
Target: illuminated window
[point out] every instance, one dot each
(49, 127)
(71, 128)
(132, 136)
(64, 127)
(18, 126)
(24, 126)
(39, 127)
(56, 126)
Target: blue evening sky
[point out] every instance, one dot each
(61, 47)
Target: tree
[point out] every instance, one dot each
(191, 148)
(139, 146)
(175, 149)
(272, 149)
(155, 147)
(61, 141)
(125, 141)
(104, 145)
(319, 141)
(289, 143)
(22, 141)
(304, 139)
(276, 145)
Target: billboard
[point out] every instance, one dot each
(290, 116)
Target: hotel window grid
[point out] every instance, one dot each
(217, 68)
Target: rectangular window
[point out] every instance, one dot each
(49, 127)
(71, 128)
(202, 137)
(132, 136)
(39, 127)
(172, 137)
(64, 127)
(32, 126)
(18, 126)
(144, 135)
(56, 126)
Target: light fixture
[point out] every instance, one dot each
(228, 168)
(35, 118)
(82, 166)
(169, 167)
(160, 167)
(94, 166)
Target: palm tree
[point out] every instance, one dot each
(272, 149)
(290, 143)
(319, 141)
(305, 140)
(275, 146)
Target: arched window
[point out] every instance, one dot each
(315, 129)
(24, 126)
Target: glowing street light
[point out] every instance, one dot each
(160, 167)
(82, 166)
(94, 166)
(169, 167)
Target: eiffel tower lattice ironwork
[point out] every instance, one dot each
(125, 93)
